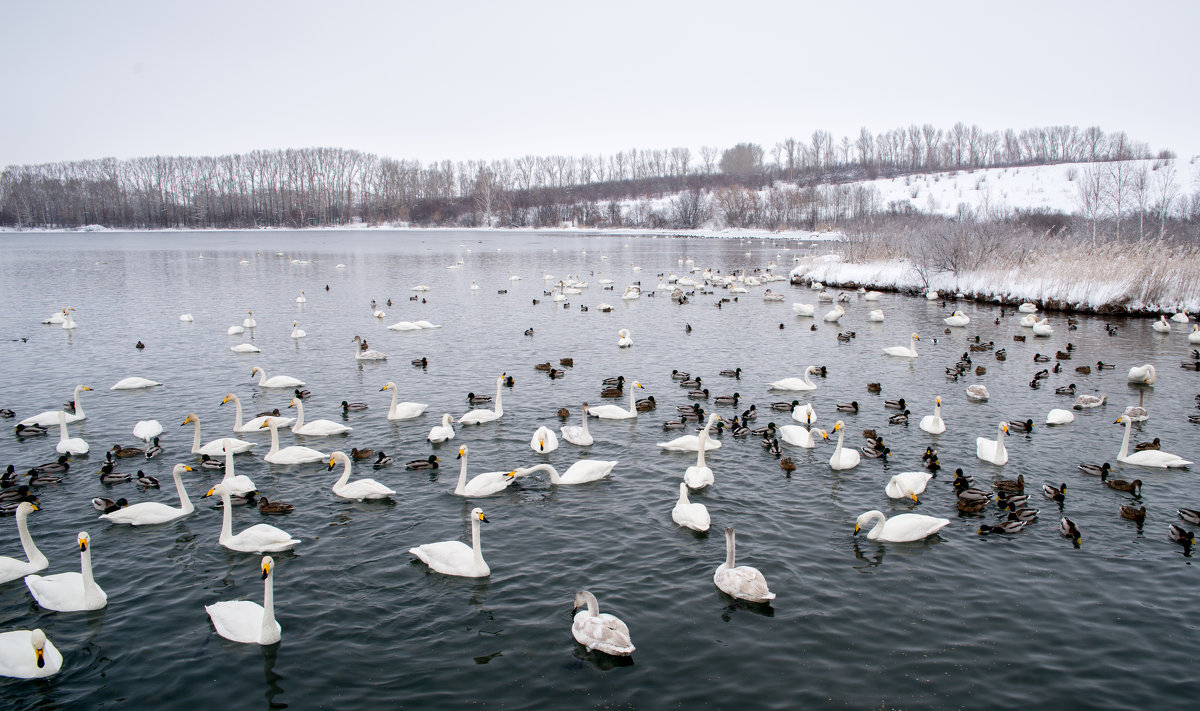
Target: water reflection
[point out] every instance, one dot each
(274, 685)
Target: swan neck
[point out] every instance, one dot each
(554, 476)
(299, 416)
(227, 445)
(78, 404)
(196, 436)
(345, 471)
(877, 529)
(593, 605)
(31, 551)
(62, 427)
(462, 476)
(475, 548)
(85, 567)
(730, 549)
(499, 405)
(1000, 438)
(683, 497)
(226, 517)
(185, 502)
(701, 448)
(837, 451)
(395, 400)
(1125, 442)
(237, 422)
(268, 633)
(274, 438)
(912, 344)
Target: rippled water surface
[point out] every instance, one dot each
(957, 620)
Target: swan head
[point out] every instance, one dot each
(1004, 427)
(38, 639)
(838, 425)
(267, 566)
(916, 337)
(462, 452)
(267, 422)
(83, 386)
(937, 401)
(477, 513)
(189, 419)
(82, 540)
(292, 403)
(181, 468)
(637, 385)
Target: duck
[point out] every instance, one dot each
(788, 465)
(1004, 527)
(1101, 470)
(151, 512)
(70, 592)
(443, 432)
(581, 472)
(599, 631)
(740, 582)
(1101, 365)
(785, 405)
(1021, 426)
(1134, 487)
(62, 464)
(579, 435)
(735, 373)
(971, 503)
(274, 508)
(13, 568)
(109, 476)
(900, 418)
(359, 489)
(1149, 457)
(874, 387)
(802, 384)
(360, 454)
(278, 381)
(248, 622)
(430, 462)
(1189, 515)
(295, 454)
(348, 407)
(933, 424)
(207, 462)
(1181, 535)
(646, 404)
(843, 457)
(895, 404)
(727, 399)
(1068, 528)
(28, 654)
(23, 431)
(455, 557)
(851, 406)
(907, 485)
(1065, 390)
(422, 362)
(259, 538)
(123, 452)
(475, 417)
(154, 449)
(484, 484)
(402, 410)
(899, 529)
(1010, 485)
(1056, 493)
(909, 351)
(1145, 446)
(1134, 514)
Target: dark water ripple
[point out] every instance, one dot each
(960, 620)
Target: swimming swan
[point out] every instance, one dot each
(992, 450)
(842, 458)
(66, 443)
(797, 383)
(691, 443)
(1143, 375)
(259, 538)
(616, 412)
(933, 424)
(900, 529)
(134, 383)
(27, 654)
(248, 622)
(252, 425)
(580, 472)
(456, 557)
(442, 432)
(295, 454)
(1149, 457)
(578, 435)
(599, 631)
(484, 484)
(402, 410)
(744, 582)
(236, 484)
(69, 592)
(624, 341)
(803, 309)
(316, 428)
(958, 318)
(687, 514)
(909, 351)
(475, 417)
(906, 485)
(544, 440)
(148, 513)
(49, 418)
(798, 436)
(278, 381)
(13, 568)
(358, 489)
(1042, 328)
(216, 447)
(1059, 417)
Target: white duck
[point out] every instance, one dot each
(687, 514)
(66, 443)
(906, 485)
(475, 417)
(456, 557)
(842, 458)
(27, 654)
(358, 489)
(1042, 328)
(252, 425)
(278, 381)
(13, 568)
(909, 351)
(148, 513)
(217, 446)
(992, 450)
(259, 538)
(134, 383)
(402, 410)
(70, 592)
(49, 418)
(1149, 457)
(804, 383)
(616, 412)
(580, 472)
(1143, 374)
(578, 435)
(958, 319)
(544, 440)
(933, 424)
(248, 622)
(744, 582)
(316, 428)
(624, 341)
(691, 443)
(1161, 325)
(484, 484)
(900, 529)
(442, 432)
(599, 631)
(295, 454)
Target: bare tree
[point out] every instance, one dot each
(1091, 196)
(1139, 184)
(1166, 190)
(708, 155)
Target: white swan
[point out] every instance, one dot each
(1149, 457)
(316, 428)
(49, 418)
(475, 417)
(978, 391)
(744, 582)
(1194, 336)
(248, 622)
(249, 321)
(581, 472)
(442, 432)
(691, 443)
(134, 383)
(244, 348)
(70, 592)
(259, 538)
(294, 454)
(544, 440)
(933, 424)
(872, 296)
(798, 436)
(148, 513)
(842, 458)
(13, 568)
(909, 351)
(68, 322)
(875, 316)
(624, 341)
(1161, 325)
(687, 514)
(933, 295)
(236, 484)
(578, 435)
(456, 557)
(599, 631)
(834, 314)
(301, 299)
(420, 287)
(426, 324)
(56, 318)
(27, 654)
(803, 309)
(1059, 417)
(796, 383)
(805, 413)
(484, 484)
(1143, 374)
(1042, 328)
(66, 443)
(958, 319)
(216, 447)
(252, 425)
(298, 332)
(1180, 316)
(186, 318)
(404, 326)
(699, 475)
(402, 410)
(235, 330)
(992, 450)
(278, 381)
(358, 489)
(147, 430)
(1027, 308)
(906, 485)
(616, 412)
(631, 292)
(900, 529)
(360, 354)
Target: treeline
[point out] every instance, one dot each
(333, 186)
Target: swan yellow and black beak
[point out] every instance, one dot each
(35, 506)
(225, 400)
(292, 403)
(331, 463)
(41, 660)
(461, 452)
(482, 517)
(856, 528)
(210, 492)
(267, 564)
(84, 387)
(83, 542)
(383, 388)
(914, 498)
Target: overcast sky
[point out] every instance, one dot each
(466, 80)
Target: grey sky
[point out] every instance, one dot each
(466, 80)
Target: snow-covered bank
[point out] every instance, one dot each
(1146, 279)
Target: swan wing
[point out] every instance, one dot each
(693, 516)
(144, 514)
(450, 558)
(237, 620)
(360, 489)
(743, 582)
(62, 592)
(587, 470)
(261, 538)
(487, 484)
(911, 527)
(407, 410)
(602, 632)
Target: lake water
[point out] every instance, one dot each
(957, 620)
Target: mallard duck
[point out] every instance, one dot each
(543, 366)
(384, 461)
(727, 399)
(430, 462)
(612, 392)
(110, 476)
(618, 381)
(900, 418)
(1134, 514)
(1005, 499)
(477, 399)
(353, 406)
(119, 451)
(1019, 426)
(154, 449)
(694, 383)
(1010, 485)
(1058, 493)
(1026, 515)
(29, 430)
(301, 394)
(1134, 487)
(872, 453)
(894, 404)
(851, 406)
(1181, 535)
(1002, 527)
(750, 413)
(274, 508)
(356, 453)
(62, 464)
(698, 394)
(774, 448)
(1068, 528)
(675, 424)
(146, 481)
(1039, 358)
(970, 504)
(567, 362)
(1096, 469)
(1101, 365)
(874, 387)
(869, 434)
(555, 374)
(680, 375)
(646, 404)
(768, 431)
(104, 505)
(735, 373)
(1189, 515)
(563, 413)
(421, 362)
(1143, 446)
(208, 462)
(787, 464)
